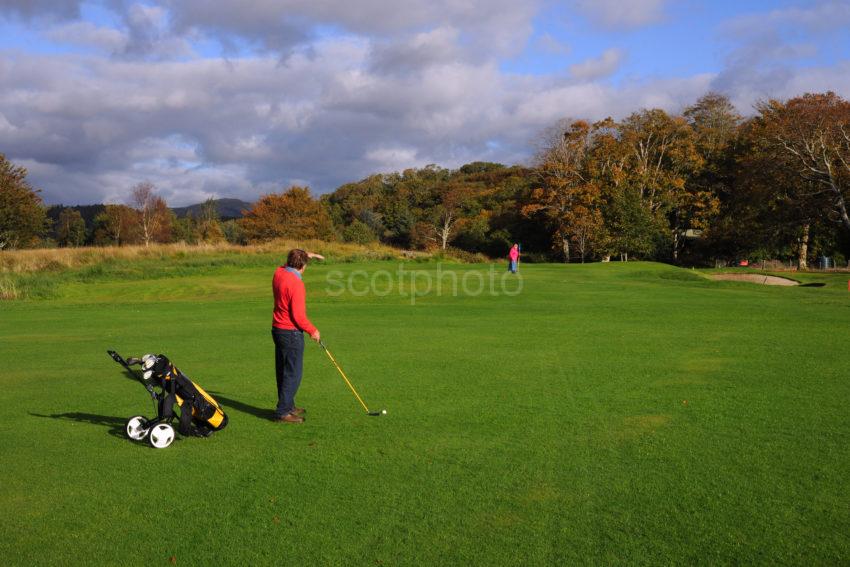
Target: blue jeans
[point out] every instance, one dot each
(513, 266)
(288, 366)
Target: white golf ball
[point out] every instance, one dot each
(384, 412)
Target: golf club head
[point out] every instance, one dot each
(377, 413)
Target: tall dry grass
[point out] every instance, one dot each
(59, 259)
(9, 289)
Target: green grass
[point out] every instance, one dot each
(608, 414)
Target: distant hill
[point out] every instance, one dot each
(227, 209)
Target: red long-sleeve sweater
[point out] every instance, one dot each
(290, 308)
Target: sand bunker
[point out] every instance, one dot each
(754, 278)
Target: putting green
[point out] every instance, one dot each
(608, 413)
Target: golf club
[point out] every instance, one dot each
(347, 381)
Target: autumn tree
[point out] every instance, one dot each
(660, 149)
(813, 133)
(715, 122)
(293, 214)
(772, 209)
(155, 218)
(608, 165)
(566, 195)
(22, 215)
(453, 198)
(662, 155)
(208, 224)
(70, 228)
(117, 225)
(164, 228)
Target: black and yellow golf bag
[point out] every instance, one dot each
(204, 412)
(200, 414)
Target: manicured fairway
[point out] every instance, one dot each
(608, 414)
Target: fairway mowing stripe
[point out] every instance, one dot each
(550, 499)
(585, 411)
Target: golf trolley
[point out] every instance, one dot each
(200, 414)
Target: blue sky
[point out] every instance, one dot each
(689, 38)
(235, 99)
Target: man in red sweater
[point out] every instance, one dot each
(289, 323)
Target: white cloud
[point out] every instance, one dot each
(437, 46)
(820, 17)
(602, 66)
(550, 44)
(40, 9)
(6, 127)
(89, 35)
(148, 16)
(494, 25)
(622, 13)
(765, 48)
(150, 35)
(393, 159)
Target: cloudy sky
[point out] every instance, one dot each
(236, 98)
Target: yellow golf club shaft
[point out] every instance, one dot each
(344, 377)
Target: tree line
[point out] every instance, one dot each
(702, 186)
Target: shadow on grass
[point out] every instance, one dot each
(115, 424)
(262, 413)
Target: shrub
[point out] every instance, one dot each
(358, 232)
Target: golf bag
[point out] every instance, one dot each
(200, 414)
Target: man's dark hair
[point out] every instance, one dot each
(297, 258)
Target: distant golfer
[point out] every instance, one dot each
(513, 255)
(289, 324)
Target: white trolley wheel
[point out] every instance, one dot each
(161, 436)
(136, 427)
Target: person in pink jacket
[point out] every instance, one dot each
(514, 258)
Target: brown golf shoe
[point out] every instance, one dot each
(298, 411)
(289, 418)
